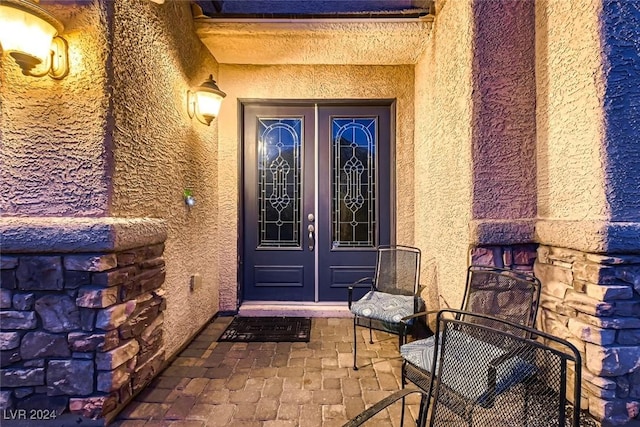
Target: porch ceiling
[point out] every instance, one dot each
(315, 41)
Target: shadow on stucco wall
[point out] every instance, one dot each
(620, 32)
(504, 107)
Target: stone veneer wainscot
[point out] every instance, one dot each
(81, 312)
(593, 301)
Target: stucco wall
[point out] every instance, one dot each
(504, 95)
(52, 153)
(311, 41)
(570, 125)
(159, 151)
(306, 82)
(443, 183)
(588, 152)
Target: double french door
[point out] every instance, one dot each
(316, 198)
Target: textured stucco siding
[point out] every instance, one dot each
(443, 183)
(160, 151)
(570, 123)
(314, 42)
(504, 125)
(620, 26)
(53, 161)
(306, 82)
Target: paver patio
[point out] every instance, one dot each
(273, 384)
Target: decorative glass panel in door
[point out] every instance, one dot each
(354, 172)
(278, 190)
(316, 199)
(279, 181)
(353, 143)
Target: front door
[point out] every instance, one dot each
(316, 198)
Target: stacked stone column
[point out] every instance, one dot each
(516, 257)
(81, 332)
(593, 301)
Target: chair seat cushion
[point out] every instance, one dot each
(384, 307)
(471, 358)
(419, 353)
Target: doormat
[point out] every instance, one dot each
(267, 329)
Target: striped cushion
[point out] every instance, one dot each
(384, 307)
(468, 357)
(419, 353)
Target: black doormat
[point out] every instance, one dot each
(268, 329)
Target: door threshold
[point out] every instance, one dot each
(294, 309)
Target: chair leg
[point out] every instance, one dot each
(422, 413)
(355, 345)
(403, 384)
(525, 408)
(421, 420)
(370, 333)
(403, 373)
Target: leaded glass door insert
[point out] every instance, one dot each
(353, 186)
(316, 198)
(279, 181)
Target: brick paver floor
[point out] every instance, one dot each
(273, 384)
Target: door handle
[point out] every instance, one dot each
(312, 240)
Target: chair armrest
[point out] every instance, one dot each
(414, 315)
(418, 303)
(492, 373)
(365, 415)
(405, 322)
(349, 296)
(364, 279)
(350, 289)
(493, 364)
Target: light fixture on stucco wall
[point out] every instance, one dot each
(189, 199)
(204, 101)
(29, 34)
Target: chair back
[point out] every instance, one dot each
(504, 294)
(397, 270)
(507, 380)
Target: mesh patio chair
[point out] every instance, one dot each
(394, 294)
(504, 379)
(505, 294)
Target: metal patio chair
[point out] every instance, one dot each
(490, 372)
(394, 294)
(505, 294)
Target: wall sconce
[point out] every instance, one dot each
(205, 100)
(30, 35)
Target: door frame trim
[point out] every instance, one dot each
(244, 102)
(316, 201)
